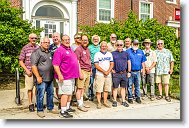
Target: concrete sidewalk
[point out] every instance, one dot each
(158, 109)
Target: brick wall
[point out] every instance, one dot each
(162, 10)
(87, 12)
(16, 3)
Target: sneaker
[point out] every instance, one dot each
(91, 98)
(125, 104)
(98, 106)
(66, 115)
(53, 111)
(70, 110)
(41, 114)
(31, 108)
(130, 101)
(168, 99)
(138, 100)
(81, 108)
(152, 98)
(114, 104)
(134, 96)
(145, 97)
(107, 105)
(86, 106)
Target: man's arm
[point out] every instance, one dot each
(171, 67)
(25, 69)
(57, 70)
(36, 73)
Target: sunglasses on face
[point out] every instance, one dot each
(113, 37)
(160, 43)
(33, 38)
(119, 44)
(77, 38)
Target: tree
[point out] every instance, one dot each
(13, 35)
(136, 29)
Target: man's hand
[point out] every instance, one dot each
(147, 70)
(170, 71)
(128, 74)
(143, 72)
(106, 73)
(81, 76)
(60, 78)
(28, 73)
(39, 80)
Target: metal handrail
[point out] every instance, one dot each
(17, 98)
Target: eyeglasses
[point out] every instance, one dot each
(77, 38)
(113, 37)
(119, 44)
(135, 44)
(160, 43)
(46, 42)
(33, 38)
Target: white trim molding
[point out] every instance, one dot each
(175, 24)
(171, 2)
(151, 8)
(112, 11)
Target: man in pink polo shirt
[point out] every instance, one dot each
(66, 67)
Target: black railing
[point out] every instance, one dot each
(17, 98)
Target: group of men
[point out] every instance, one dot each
(93, 70)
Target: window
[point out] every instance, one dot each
(146, 10)
(105, 10)
(171, 1)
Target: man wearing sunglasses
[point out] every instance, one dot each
(164, 68)
(148, 78)
(25, 63)
(77, 39)
(121, 72)
(137, 58)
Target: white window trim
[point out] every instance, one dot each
(174, 2)
(151, 9)
(112, 12)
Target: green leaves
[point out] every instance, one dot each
(136, 29)
(13, 35)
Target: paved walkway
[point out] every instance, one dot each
(158, 109)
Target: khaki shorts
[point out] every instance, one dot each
(164, 79)
(29, 82)
(85, 82)
(66, 87)
(102, 83)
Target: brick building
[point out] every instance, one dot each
(65, 15)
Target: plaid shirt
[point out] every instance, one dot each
(25, 54)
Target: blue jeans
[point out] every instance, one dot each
(134, 79)
(41, 88)
(91, 92)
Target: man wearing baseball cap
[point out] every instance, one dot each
(137, 58)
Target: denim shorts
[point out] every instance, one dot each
(119, 79)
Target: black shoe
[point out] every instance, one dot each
(130, 101)
(134, 97)
(91, 98)
(66, 115)
(114, 104)
(31, 108)
(138, 100)
(70, 110)
(125, 104)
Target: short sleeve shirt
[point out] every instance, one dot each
(52, 48)
(83, 55)
(65, 58)
(164, 58)
(111, 48)
(93, 50)
(43, 61)
(137, 58)
(120, 60)
(103, 60)
(25, 54)
(150, 59)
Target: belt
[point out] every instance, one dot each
(135, 70)
(121, 72)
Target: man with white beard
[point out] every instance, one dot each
(137, 58)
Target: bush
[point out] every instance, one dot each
(136, 29)
(13, 36)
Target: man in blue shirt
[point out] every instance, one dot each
(137, 58)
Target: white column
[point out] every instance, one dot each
(73, 20)
(26, 7)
